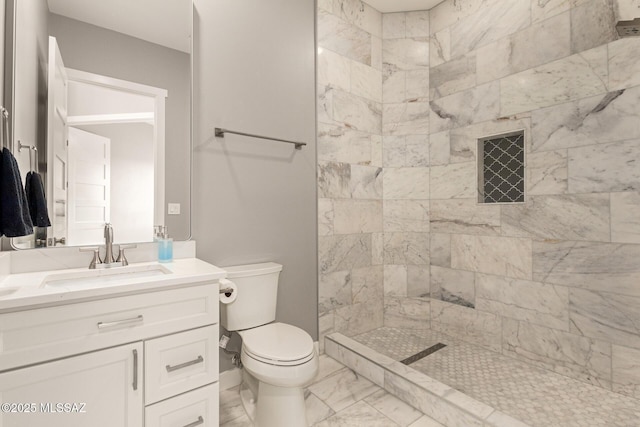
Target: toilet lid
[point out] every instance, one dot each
(277, 342)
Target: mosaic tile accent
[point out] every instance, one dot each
(502, 168)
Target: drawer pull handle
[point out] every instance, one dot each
(104, 325)
(135, 370)
(184, 365)
(199, 421)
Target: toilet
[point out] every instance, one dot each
(279, 360)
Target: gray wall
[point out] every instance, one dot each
(97, 50)
(255, 200)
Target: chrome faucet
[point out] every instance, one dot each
(108, 260)
(108, 242)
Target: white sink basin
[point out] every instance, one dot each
(103, 277)
(7, 291)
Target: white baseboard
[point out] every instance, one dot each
(230, 378)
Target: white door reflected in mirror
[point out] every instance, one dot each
(89, 187)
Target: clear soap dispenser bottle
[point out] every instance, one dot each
(165, 245)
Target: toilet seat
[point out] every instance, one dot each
(278, 344)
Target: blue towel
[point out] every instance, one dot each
(15, 219)
(37, 200)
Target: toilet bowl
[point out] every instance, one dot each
(283, 359)
(279, 360)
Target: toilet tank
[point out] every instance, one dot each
(255, 304)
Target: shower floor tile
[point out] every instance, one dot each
(535, 396)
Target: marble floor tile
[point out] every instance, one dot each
(230, 405)
(393, 408)
(425, 421)
(328, 366)
(343, 389)
(377, 408)
(242, 421)
(317, 410)
(357, 415)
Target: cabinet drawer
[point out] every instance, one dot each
(178, 363)
(33, 336)
(198, 408)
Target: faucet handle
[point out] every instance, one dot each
(121, 257)
(96, 256)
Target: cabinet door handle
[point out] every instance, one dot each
(135, 369)
(104, 325)
(197, 422)
(185, 364)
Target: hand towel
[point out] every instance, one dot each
(37, 200)
(15, 220)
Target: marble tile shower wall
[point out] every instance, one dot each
(406, 183)
(350, 167)
(402, 99)
(556, 280)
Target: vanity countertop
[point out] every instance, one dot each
(26, 291)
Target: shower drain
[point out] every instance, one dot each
(422, 354)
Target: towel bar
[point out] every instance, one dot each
(220, 134)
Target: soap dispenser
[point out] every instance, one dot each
(165, 245)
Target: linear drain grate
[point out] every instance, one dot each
(424, 353)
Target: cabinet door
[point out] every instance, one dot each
(100, 389)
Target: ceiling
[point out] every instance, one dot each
(164, 22)
(168, 22)
(386, 6)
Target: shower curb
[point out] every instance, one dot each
(445, 404)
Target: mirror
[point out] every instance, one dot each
(99, 95)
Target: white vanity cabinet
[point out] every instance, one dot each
(99, 389)
(145, 359)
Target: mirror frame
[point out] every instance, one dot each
(8, 101)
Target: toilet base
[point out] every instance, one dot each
(274, 406)
(280, 407)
